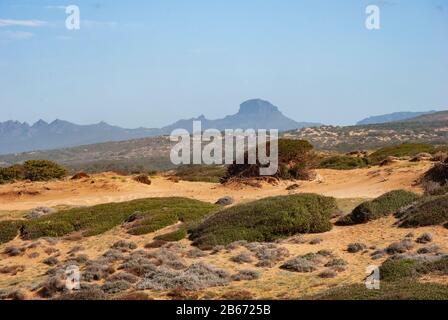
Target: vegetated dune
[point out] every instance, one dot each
(117, 262)
(109, 187)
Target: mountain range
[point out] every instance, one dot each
(18, 137)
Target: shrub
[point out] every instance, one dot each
(79, 176)
(342, 162)
(246, 275)
(327, 274)
(196, 277)
(403, 150)
(382, 206)
(9, 230)
(396, 269)
(299, 264)
(266, 220)
(400, 247)
(157, 214)
(116, 286)
(336, 262)
(225, 201)
(427, 212)
(439, 266)
(202, 173)
(43, 170)
(142, 178)
(15, 172)
(356, 247)
(435, 178)
(396, 290)
(295, 161)
(85, 294)
(425, 238)
(124, 245)
(244, 257)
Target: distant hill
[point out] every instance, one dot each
(18, 137)
(392, 117)
(433, 117)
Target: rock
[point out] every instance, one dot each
(225, 201)
(39, 212)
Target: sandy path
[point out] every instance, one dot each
(104, 188)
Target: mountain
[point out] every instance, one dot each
(18, 137)
(253, 114)
(433, 117)
(392, 117)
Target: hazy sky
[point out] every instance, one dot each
(150, 62)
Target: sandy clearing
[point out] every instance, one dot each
(107, 187)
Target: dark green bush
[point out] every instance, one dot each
(438, 174)
(438, 266)
(402, 150)
(397, 269)
(157, 214)
(9, 230)
(382, 206)
(15, 172)
(343, 162)
(43, 170)
(266, 220)
(201, 173)
(396, 290)
(295, 161)
(428, 211)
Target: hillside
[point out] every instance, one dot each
(433, 117)
(374, 136)
(392, 117)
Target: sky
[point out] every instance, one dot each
(151, 62)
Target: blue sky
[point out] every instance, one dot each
(150, 62)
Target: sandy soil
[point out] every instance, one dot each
(350, 186)
(105, 188)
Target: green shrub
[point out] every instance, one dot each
(295, 161)
(173, 236)
(266, 220)
(201, 173)
(437, 174)
(9, 230)
(428, 211)
(402, 150)
(342, 162)
(382, 206)
(396, 290)
(438, 266)
(157, 213)
(397, 269)
(15, 172)
(43, 170)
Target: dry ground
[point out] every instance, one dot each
(351, 187)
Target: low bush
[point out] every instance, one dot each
(400, 247)
(438, 174)
(246, 275)
(202, 173)
(157, 214)
(403, 150)
(143, 178)
(396, 290)
(343, 162)
(428, 211)
(397, 269)
(382, 206)
(356, 247)
(299, 264)
(196, 277)
(266, 220)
